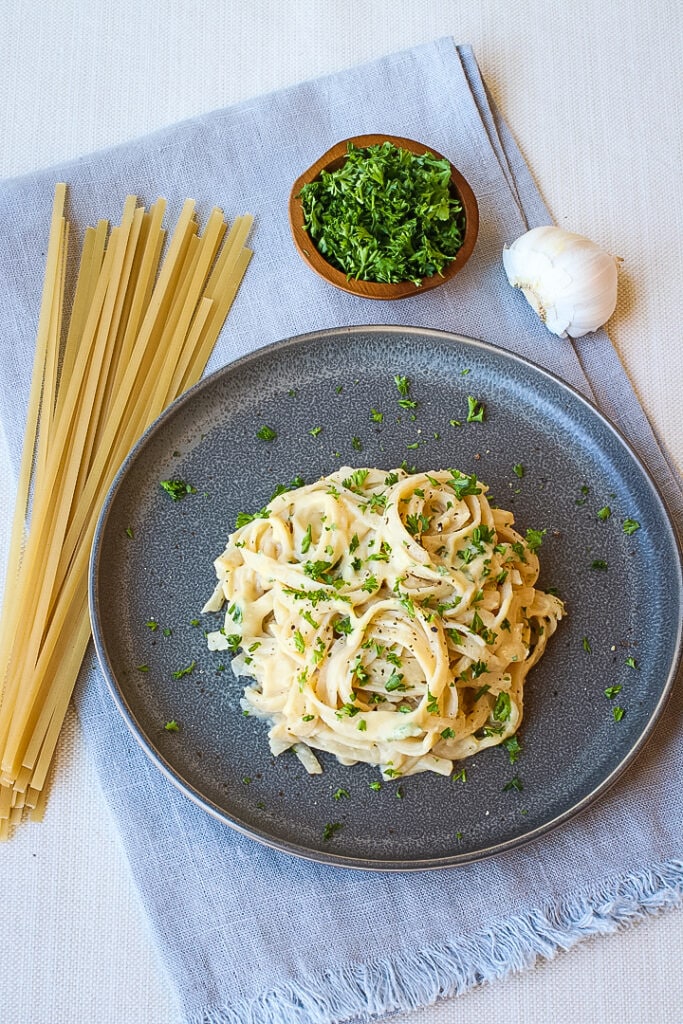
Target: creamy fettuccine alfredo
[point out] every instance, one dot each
(388, 618)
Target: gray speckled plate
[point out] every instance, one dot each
(574, 464)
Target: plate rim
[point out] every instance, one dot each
(173, 774)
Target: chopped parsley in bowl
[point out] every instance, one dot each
(383, 217)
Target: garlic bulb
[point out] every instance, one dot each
(570, 281)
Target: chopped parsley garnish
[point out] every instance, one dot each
(341, 794)
(178, 489)
(600, 564)
(513, 747)
(153, 625)
(129, 532)
(376, 416)
(515, 783)
(534, 539)
(475, 410)
(356, 480)
(502, 707)
(586, 645)
(362, 677)
(386, 214)
(357, 444)
(299, 641)
(604, 513)
(403, 385)
(585, 491)
(319, 652)
(266, 433)
(463, 484)
(489, 730)
(612, 691)
(172, 726)
(518, 470)
(343, 626)
(382, 555)
(371, 584)
(376, 786)
(330, 829)
(235, 612)
(248, 517)
(518, 549)
(320, 572)
(630, 526)
(143, 668)
(234, 640)
(631, 662)
(477, 623)
(185, 671)
(483, 535)
(314, 431)
(298, 481)
(432, 703)
(378, 502)
(460, 776)
(447, 733)
(618, 713)
(306, 540)
(417, 523)
(395, 682)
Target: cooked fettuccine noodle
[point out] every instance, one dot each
(388, 618)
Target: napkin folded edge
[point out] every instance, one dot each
(441, 972)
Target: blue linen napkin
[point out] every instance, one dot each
(248, 933)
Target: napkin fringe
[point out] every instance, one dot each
(421, 977)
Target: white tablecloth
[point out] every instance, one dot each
(593, 94)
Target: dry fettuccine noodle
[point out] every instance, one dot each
(142, 324)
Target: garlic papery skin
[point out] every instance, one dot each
(570, 281)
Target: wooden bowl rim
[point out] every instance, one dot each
(306, 248)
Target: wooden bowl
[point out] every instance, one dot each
(331, 161)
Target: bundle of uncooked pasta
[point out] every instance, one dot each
(384, 617)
